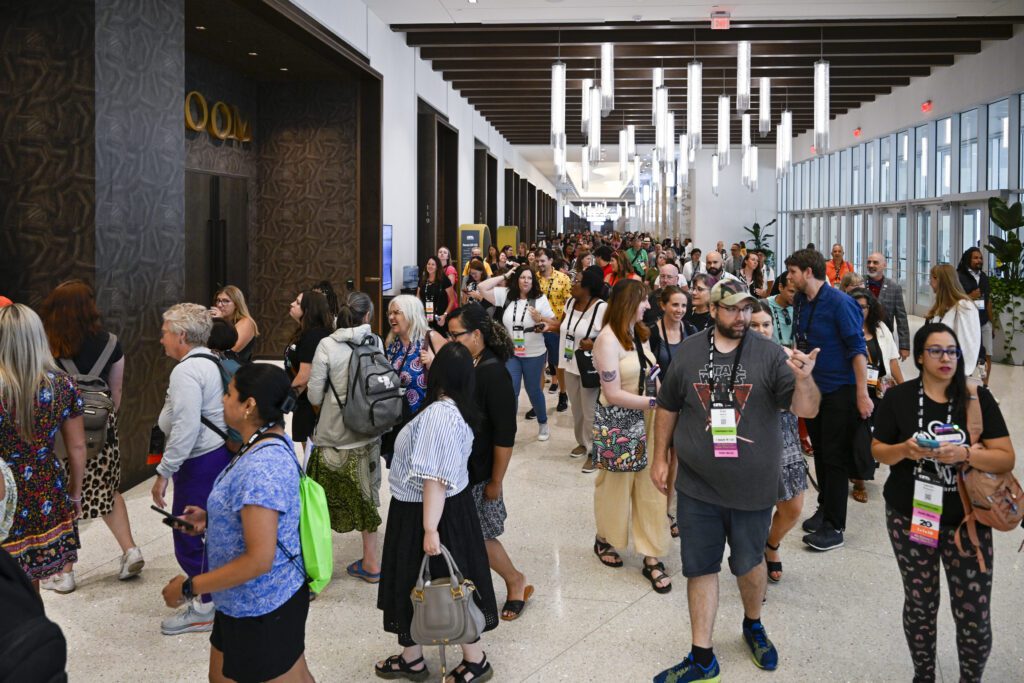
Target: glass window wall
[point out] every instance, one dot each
(815, 190)
(969, 151)
(871, 172)
(844, 178)
(998, 144)
(943, 156)
(856, 177)
(833, 182)
(923, 147)
(902, 164)
(858, 241)
(885, 169)
(924, 261)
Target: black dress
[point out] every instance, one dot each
(435, 294)
(302, 351)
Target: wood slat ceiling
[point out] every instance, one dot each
(504, 70)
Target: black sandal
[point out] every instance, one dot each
(515, 608)
(481, 671)
(775, 567)
(604, 549)
(396, 667)
(673, 528)
(648, 573)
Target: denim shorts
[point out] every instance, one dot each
(704, 528)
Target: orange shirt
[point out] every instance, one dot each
(835, 275)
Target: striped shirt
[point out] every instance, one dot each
(435, 445)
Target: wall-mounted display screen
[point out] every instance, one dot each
(385, 251)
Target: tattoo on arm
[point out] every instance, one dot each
(609, 375)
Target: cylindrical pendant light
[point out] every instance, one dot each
(694, 103)
(821, 106)
(636, 175)
(585, 99)
(558, 104)
(684, 164)
(764, 106)
(657, 81)
(745, 132)
(631, 140)
(670, 138)
(594, 134)
(559, 153)
(585, 161)
(787, 141)
(745, 167)
(623, 155)
(753, 168)
(724, 126)
(661, 120)
(714, 174)
(607, 78)
(742, 76)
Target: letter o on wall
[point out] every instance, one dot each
(220, 129)
(200, 101)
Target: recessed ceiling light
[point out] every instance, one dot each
(472, 2)
(284, 68)
(200, 28)
(253, 54)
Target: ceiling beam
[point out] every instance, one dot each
(645, 75)
(756, 61)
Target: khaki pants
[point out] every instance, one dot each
(581, 402)
(629, 500)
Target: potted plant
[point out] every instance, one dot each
(759, 240)
(1007, 283)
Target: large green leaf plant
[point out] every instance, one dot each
(1007, 283)
(760, 240)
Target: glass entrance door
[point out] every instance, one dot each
(923, 259)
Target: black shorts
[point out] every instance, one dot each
(265, 647)
(704, 529)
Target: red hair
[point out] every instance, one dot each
(69, 315)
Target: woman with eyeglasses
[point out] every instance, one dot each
(229, 304)
(699, 314)
(933, 407)
(956, 310)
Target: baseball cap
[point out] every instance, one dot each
(730, 293)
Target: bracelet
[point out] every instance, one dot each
(967, 460)
(75, 500)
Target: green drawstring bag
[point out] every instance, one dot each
(315, 534)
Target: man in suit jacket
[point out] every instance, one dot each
(890, 295)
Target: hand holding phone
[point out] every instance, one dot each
(174, 522)
(925, 442)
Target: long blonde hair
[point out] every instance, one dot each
(25, 360)
(241, 309)
(948, 291)
(412, 309)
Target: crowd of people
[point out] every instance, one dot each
(696, 381)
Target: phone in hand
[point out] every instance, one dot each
(925, 442)
(172, 521)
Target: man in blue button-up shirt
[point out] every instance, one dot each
(829, 320)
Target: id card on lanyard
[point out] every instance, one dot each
(722, 418)
(519, 332)
(927, 513)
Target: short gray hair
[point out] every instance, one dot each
(192, 320)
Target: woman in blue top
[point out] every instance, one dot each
(432, 503)
(251, 522)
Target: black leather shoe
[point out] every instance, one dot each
(814, 522)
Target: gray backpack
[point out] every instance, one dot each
(97, 399)
(375, 396)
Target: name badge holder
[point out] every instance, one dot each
(519, 332)
(929, 482)
(722, 418)
(429, 306)
(873, 373)
(570, 346)
(569, 352)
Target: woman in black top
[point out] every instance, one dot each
(669, 331)
(699, 313)
(493, 438)
(313, 314)
(75, 332)
(437, 293)
(933, 406)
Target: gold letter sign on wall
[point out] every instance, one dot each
(223, 122)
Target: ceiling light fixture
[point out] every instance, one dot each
(200, 28)
(745, 132)
(585, 106)
(253, 54)
(694, 100)
(585, 160)
(752, 181)
(764, 106)
(657, 80)
(607, 78)
(594, 133)
(724, 126)
(742, 76)
(558, 105)
(784, 136)
(821, 101)
(714, 174)
(623, 154)
(284, 68)
(683, 167)
(631, 140)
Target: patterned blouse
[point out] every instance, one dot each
(411, 372)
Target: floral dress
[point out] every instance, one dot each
(411, 372)
(44, 536)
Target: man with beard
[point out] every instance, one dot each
(890, 295)
(735, 383)
(830, 320)
(975, 283)
(715, 268)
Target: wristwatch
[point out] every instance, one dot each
(654, 403)
(186, 589)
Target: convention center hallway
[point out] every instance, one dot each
(834, 617)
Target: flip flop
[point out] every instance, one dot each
(356, 569)
(516, 607)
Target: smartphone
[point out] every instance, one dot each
(172, 521)
(927, 443)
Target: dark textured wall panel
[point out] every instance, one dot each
(308, 208)
(140, 167)
(46, 145)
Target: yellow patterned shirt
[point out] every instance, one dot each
(558, 289)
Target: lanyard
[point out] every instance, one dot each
(735, 361)
(515, 309)
(248, 444)
(551, 284)
(569, 328)
(775, 308)
(920, 407)
(664, 336)
(810, 318)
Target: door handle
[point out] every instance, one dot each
(371, 279)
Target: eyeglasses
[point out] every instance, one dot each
(864, 307)
(746, 310)
(454, 336)
(938, 352)
(222, 301)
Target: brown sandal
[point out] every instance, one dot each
(859, 495)
(604, 549)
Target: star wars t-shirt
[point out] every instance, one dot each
(764, 385)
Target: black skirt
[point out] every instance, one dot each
(459, 529)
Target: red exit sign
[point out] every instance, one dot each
(719, 21)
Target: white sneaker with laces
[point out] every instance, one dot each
(131, 564)
(61, 583)
(192, 619)
(542, 434)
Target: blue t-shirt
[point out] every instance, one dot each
(833, 323)
(267, 476)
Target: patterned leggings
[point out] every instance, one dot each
(970, 592)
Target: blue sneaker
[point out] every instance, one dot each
(762, 651)
(689, 670)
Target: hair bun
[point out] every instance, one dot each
(288, 404)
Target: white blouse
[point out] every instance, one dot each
(965, 321)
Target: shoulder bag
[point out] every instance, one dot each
(443, 610)
(620, 434)
(995, 500)
(589, 378)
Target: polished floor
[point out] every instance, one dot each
(834, 616)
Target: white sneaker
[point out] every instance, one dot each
(192, 619)
(131, 564)
(61, 583)
(543, 434)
